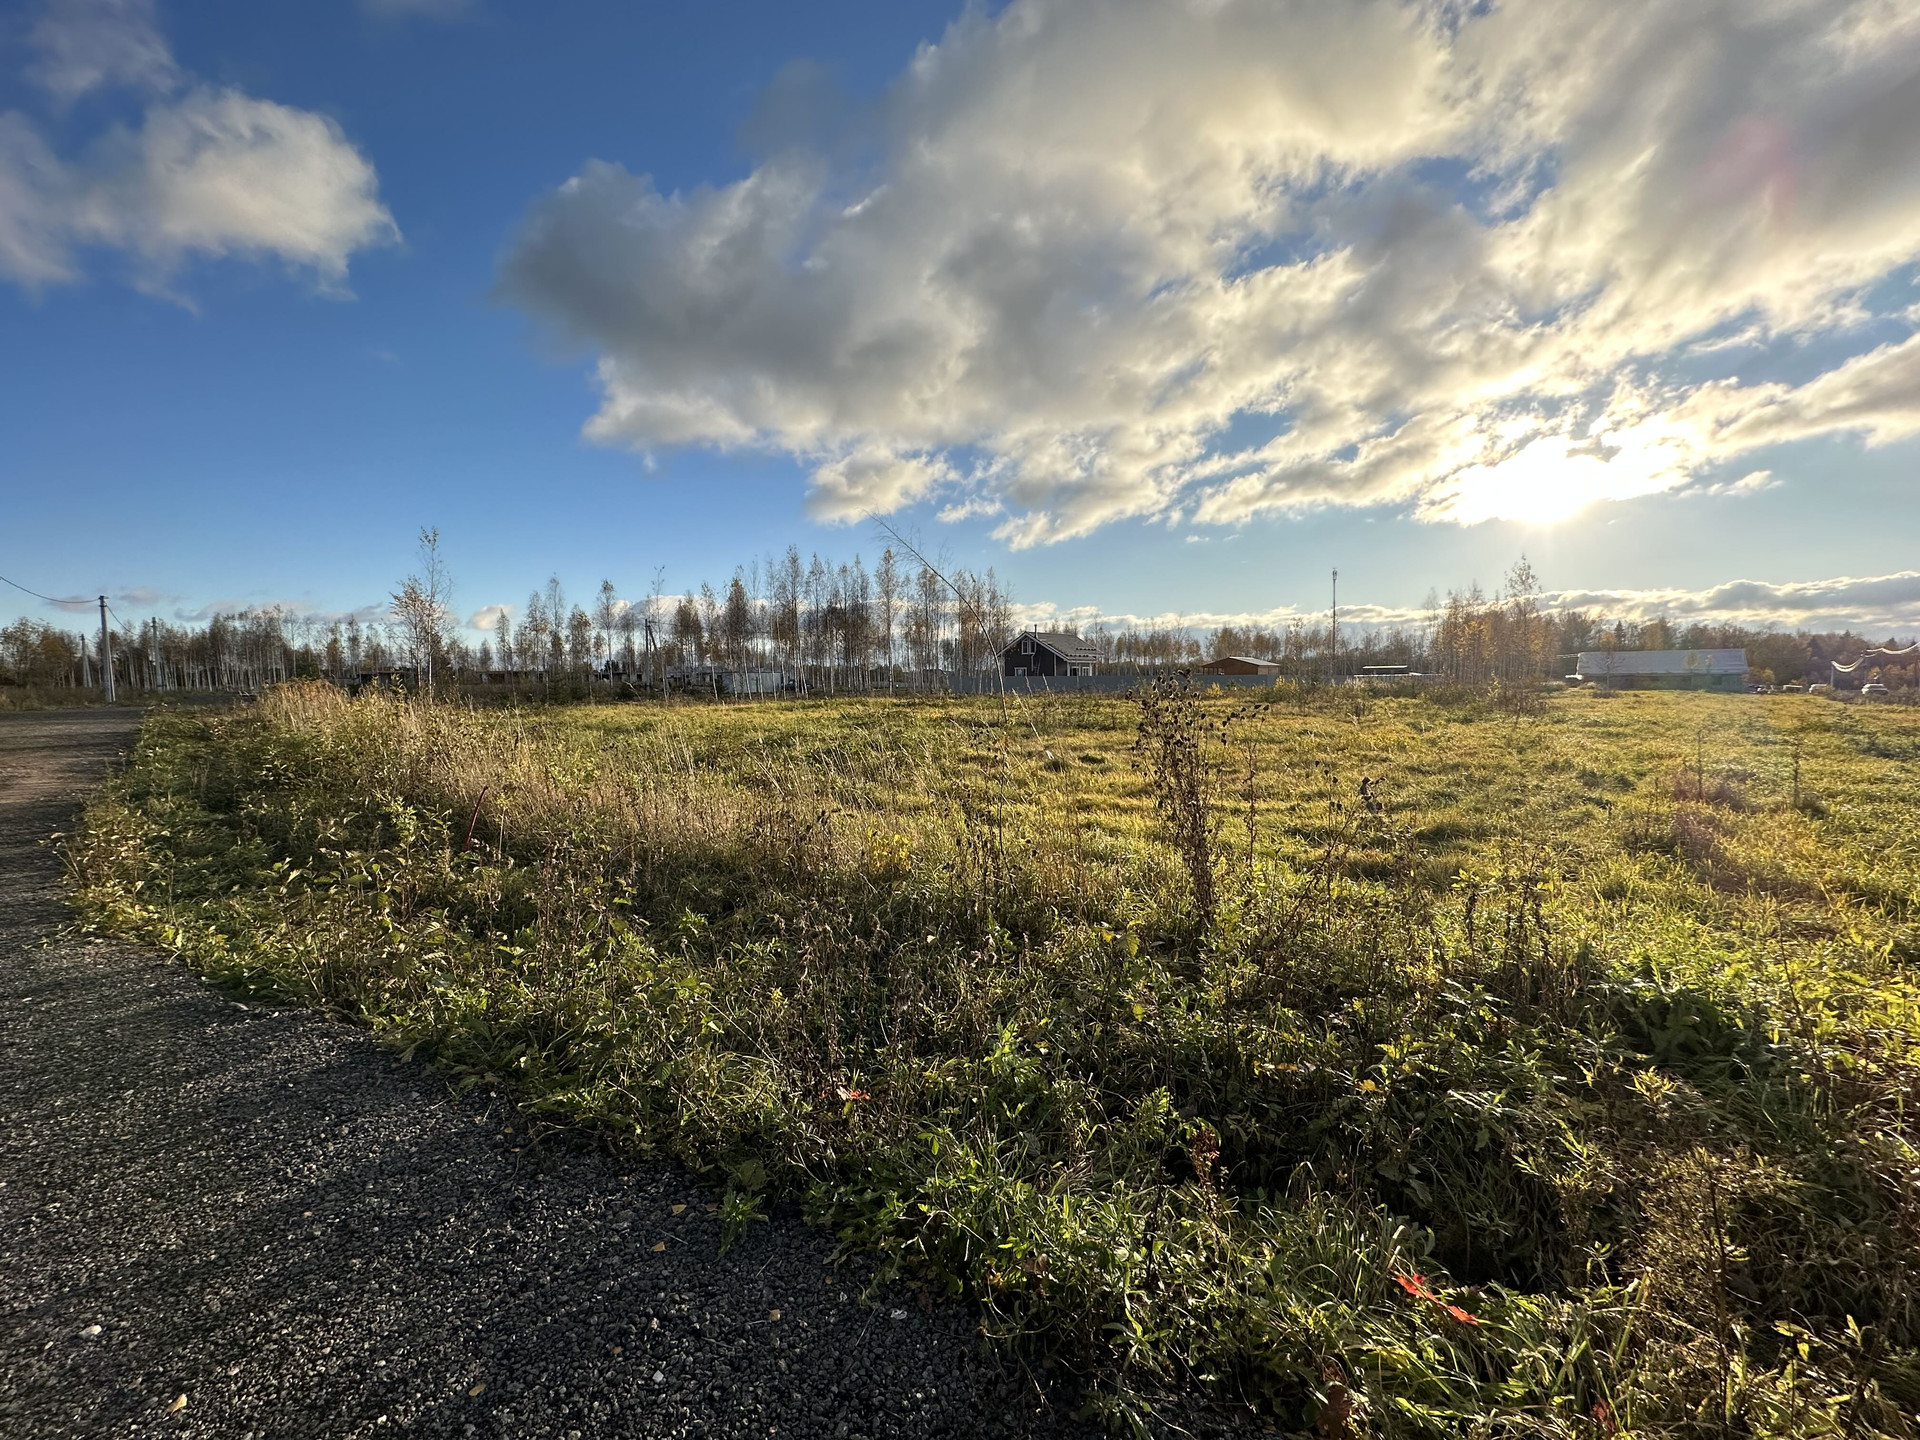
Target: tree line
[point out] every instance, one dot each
(1472, 639)
(826, 626)
(823, 626)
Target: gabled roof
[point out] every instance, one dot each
(1243, 660)
(1070, 648)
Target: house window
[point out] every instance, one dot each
(1026, 645)
(1073, 670)
(1019, 670)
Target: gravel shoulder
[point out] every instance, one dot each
(262, 1211)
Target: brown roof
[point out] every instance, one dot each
(1253, 660)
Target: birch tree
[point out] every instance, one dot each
(421, 608)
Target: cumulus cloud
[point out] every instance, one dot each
(1872, 603)
(207, 172)
(873, 480)
(1876, 604)
(1201, 259)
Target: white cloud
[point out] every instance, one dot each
(1751, 483)
(872, 480)
(1448, 258)
(1880, 604)
(34, 188)
(221, 173)
(1875, 395)
(969, 507)
(207, 173)
(1873, 603)
(83, 45)
(490, 617)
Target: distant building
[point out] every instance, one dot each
(1048, 652)
(398, 677)
(1665, 669)
(722, 681)
(1238, 665)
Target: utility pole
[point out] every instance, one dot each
(1334, 668)
(106, 651)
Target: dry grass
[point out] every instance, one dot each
(1575, 1014)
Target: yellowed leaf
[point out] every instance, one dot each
(659, 1245)
(478, 1388)
(678, 1208)
(177, 1406)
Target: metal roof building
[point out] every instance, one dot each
(1238, 665)
(1665, 669)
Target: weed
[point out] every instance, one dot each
(1476, 1108)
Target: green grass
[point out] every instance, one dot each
(1554, 1081)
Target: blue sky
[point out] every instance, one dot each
(1023, 281)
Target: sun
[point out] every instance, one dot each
(1548, 481)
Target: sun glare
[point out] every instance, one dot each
(1547, 481)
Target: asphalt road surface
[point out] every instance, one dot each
(251, 1222)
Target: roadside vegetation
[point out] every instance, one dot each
(1393, 1067)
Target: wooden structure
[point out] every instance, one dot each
(399, 677)
(1238, 665)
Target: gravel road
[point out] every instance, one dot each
(244, 1222)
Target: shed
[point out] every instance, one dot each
(1238, 665)
(1665, 669)
(1048, 652)
(395, 677)
(719, 680)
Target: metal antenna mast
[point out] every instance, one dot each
(1334, 669)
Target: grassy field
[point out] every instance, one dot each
(1390, 1066)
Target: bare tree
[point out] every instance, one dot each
(606, 618)
(709, 625)
(887, 585)
(421, 607)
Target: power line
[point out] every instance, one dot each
(50, 599)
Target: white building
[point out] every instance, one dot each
(1665, 669)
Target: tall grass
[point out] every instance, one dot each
(1395, 1071)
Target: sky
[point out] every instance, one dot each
(1161, 308)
